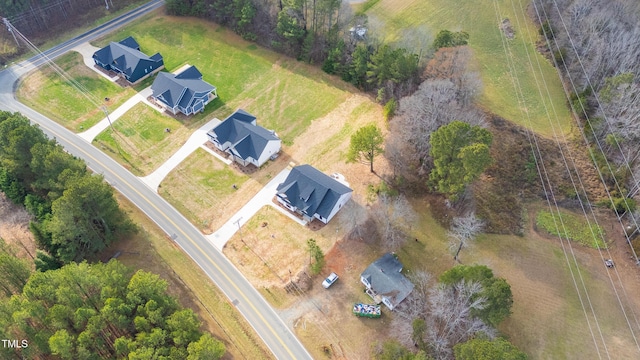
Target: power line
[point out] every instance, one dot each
(582, 205)
(548, 190)
(595, 219)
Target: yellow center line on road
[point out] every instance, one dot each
(192, 243)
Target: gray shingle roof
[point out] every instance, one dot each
(247, 140)
(180, 89)
(312, 191)
(124, 55)
(385, 278)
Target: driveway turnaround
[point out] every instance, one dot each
(86, 50)
(267, 324)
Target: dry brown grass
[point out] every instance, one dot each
(14, 229)
(313, 312)
(548, 320)
(151, 250)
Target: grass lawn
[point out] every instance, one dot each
(151, 250)
(571, 226)
(142, 140)
(284, 94)
(322, 145)
(201, 188)
(50, 94)
(481, 21)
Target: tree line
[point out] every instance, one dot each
(321, 32)
(39, 20)
(596, 47)
(106, 311)
(75, 212)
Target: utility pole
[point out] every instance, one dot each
(106, 113)
(10, 29)
(237, 222)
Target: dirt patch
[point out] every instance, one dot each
(507, 29)
(14, 229)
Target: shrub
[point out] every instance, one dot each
(390, 109)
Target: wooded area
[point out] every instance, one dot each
(76, 213)
(596, 47)
(84, 311)
(41, 20)
(316, 31)
(466, 304)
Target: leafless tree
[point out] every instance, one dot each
(450, 321)
(413, 307)
(445, 96)
(600, 41)
(446, 311)
(464, 230)
(393, 216)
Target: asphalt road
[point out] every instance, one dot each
(258, 313)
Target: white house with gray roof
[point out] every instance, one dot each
(185, 92)
(312, 194)
(385, 282)
(241, 137)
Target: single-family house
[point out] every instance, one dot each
(312, 194)
(185, 92)
(248, 143)
(125, 58)
(385, 282)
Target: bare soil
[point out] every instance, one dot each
(14, 229)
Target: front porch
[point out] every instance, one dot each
(375, 297)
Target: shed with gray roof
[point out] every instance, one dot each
(385, 282)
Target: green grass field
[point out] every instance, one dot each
(47, 92)
(480, 20)
(285, 95)
(201, 188)
(571, 226)
(141, 142)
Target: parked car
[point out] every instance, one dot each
(333, 277)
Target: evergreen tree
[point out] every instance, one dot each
(460, 154)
